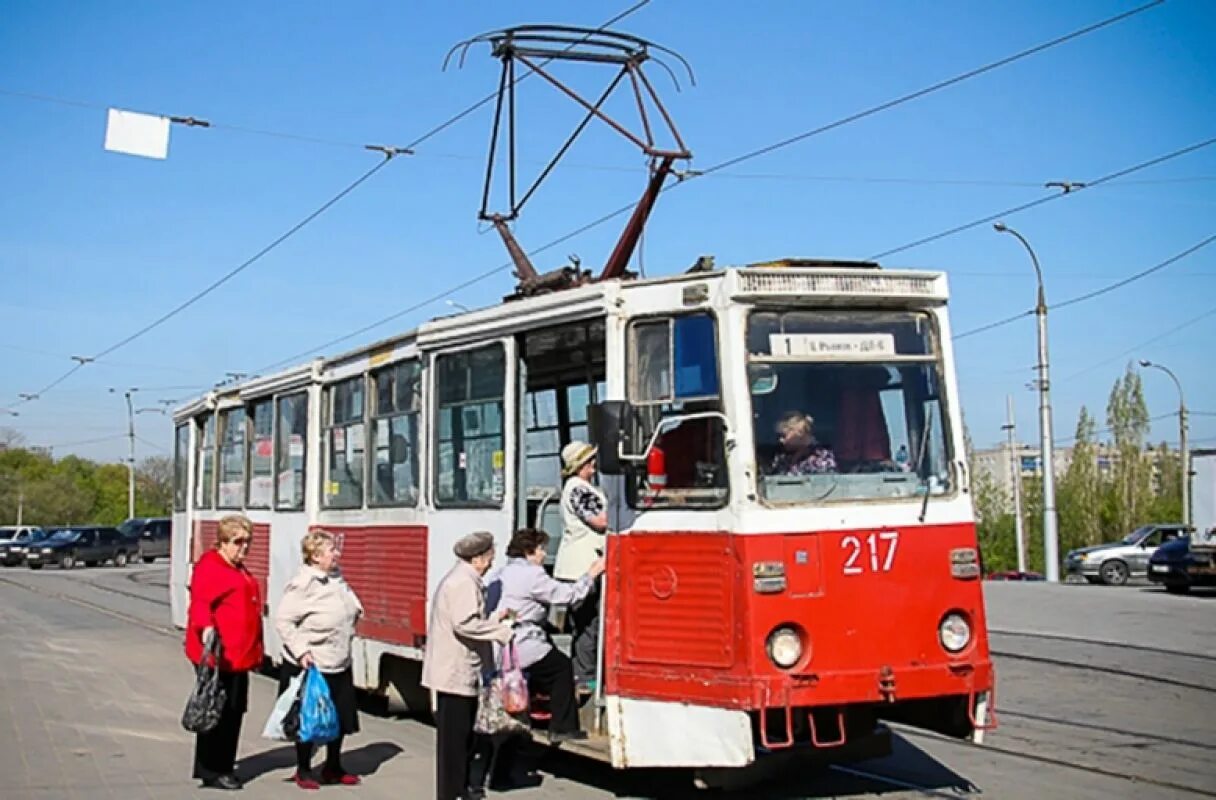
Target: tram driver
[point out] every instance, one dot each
(801, 453)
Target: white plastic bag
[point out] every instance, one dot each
(274, 724)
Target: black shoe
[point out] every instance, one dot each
(567, 736)
(229, 783)
(474, 793)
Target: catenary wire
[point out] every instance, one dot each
(1090, 295)
(731, 162)
(1113, 176)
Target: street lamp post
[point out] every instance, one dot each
(131, 452)
(1182, 445)
(1051, 541)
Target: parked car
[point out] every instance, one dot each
(13, 541)
(1014, 575)
(1116, 563)
(1176, 568)
(151, 535)
(90, 544)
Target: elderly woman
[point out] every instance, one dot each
(316, 621)
(224, 602)
(584, 526)
(529, 592)
(459, 644)
(801, 455)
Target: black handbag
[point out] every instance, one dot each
(206, 703)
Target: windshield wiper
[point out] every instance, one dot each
(920, 461)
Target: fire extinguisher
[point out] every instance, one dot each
(656, 469)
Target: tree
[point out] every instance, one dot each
(994, 524)
(154, 486)
(10, 438)
(1080, 495)
(1127, 418)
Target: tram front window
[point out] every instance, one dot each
(847, 406)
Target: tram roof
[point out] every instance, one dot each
(784, 277)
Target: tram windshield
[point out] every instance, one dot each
(847, 406)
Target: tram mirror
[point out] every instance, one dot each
(763, 379)
(606, 428)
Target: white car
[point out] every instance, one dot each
(1116, 563)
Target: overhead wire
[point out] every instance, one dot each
(938, 86)
(1113, 176)
(389, 153)
(1090, 295)
(1139, 345)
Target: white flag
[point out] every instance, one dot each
(137, 134)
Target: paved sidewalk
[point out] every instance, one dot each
(90, 708)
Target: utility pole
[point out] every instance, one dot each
(20, 505)
(1015, 471)
(131, 452)
(1051, 540)
(1182, 443)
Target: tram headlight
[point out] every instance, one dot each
(954, 632)
(784, 647)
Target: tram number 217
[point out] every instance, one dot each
(876, 551)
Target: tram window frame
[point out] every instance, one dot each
(650, 410)
(229, 446)
(204, 455)
(252, 459)
(353, 425)
(410, 413)
(283, 455)
(181, 466)
(468, 400)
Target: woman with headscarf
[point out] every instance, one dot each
(459, 646)
(225, 603)
(316, 620)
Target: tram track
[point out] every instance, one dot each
(1128, 646)
(1153, 738)
(163, 630)
(1115, 671)
(916, 733)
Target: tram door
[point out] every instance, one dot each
(472, 439)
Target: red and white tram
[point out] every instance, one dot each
(746, 610)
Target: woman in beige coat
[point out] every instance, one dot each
(459, 642)
(316, 621)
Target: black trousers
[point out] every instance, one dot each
(554, 676)
(456, 744)
(342, 691)
(215, 750)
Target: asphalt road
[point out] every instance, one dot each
(1101, 693)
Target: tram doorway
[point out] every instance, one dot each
(562, 372)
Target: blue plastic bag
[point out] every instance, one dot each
(318, 715)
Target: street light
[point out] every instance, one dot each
(10, 412)
(131, 458)
(1182, 431)
(1051, 541)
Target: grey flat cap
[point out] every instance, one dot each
(474, 544)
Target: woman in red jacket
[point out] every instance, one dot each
(224, 602)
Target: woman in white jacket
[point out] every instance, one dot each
(316, 621)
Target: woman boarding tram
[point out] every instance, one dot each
(584, 529)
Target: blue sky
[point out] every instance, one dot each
(93, 245)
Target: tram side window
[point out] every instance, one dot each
(290, 454)
(397, 403)
(674, 373)
(181, 466)
(470, 453)
(345, 444)
(261, 453)
(204, 495)
(232, 458)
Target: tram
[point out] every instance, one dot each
(748, 607)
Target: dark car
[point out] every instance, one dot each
(151, 536)
(15, 540)
(90, 544)
(1178, 569)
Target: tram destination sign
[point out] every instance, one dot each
(844, 346)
